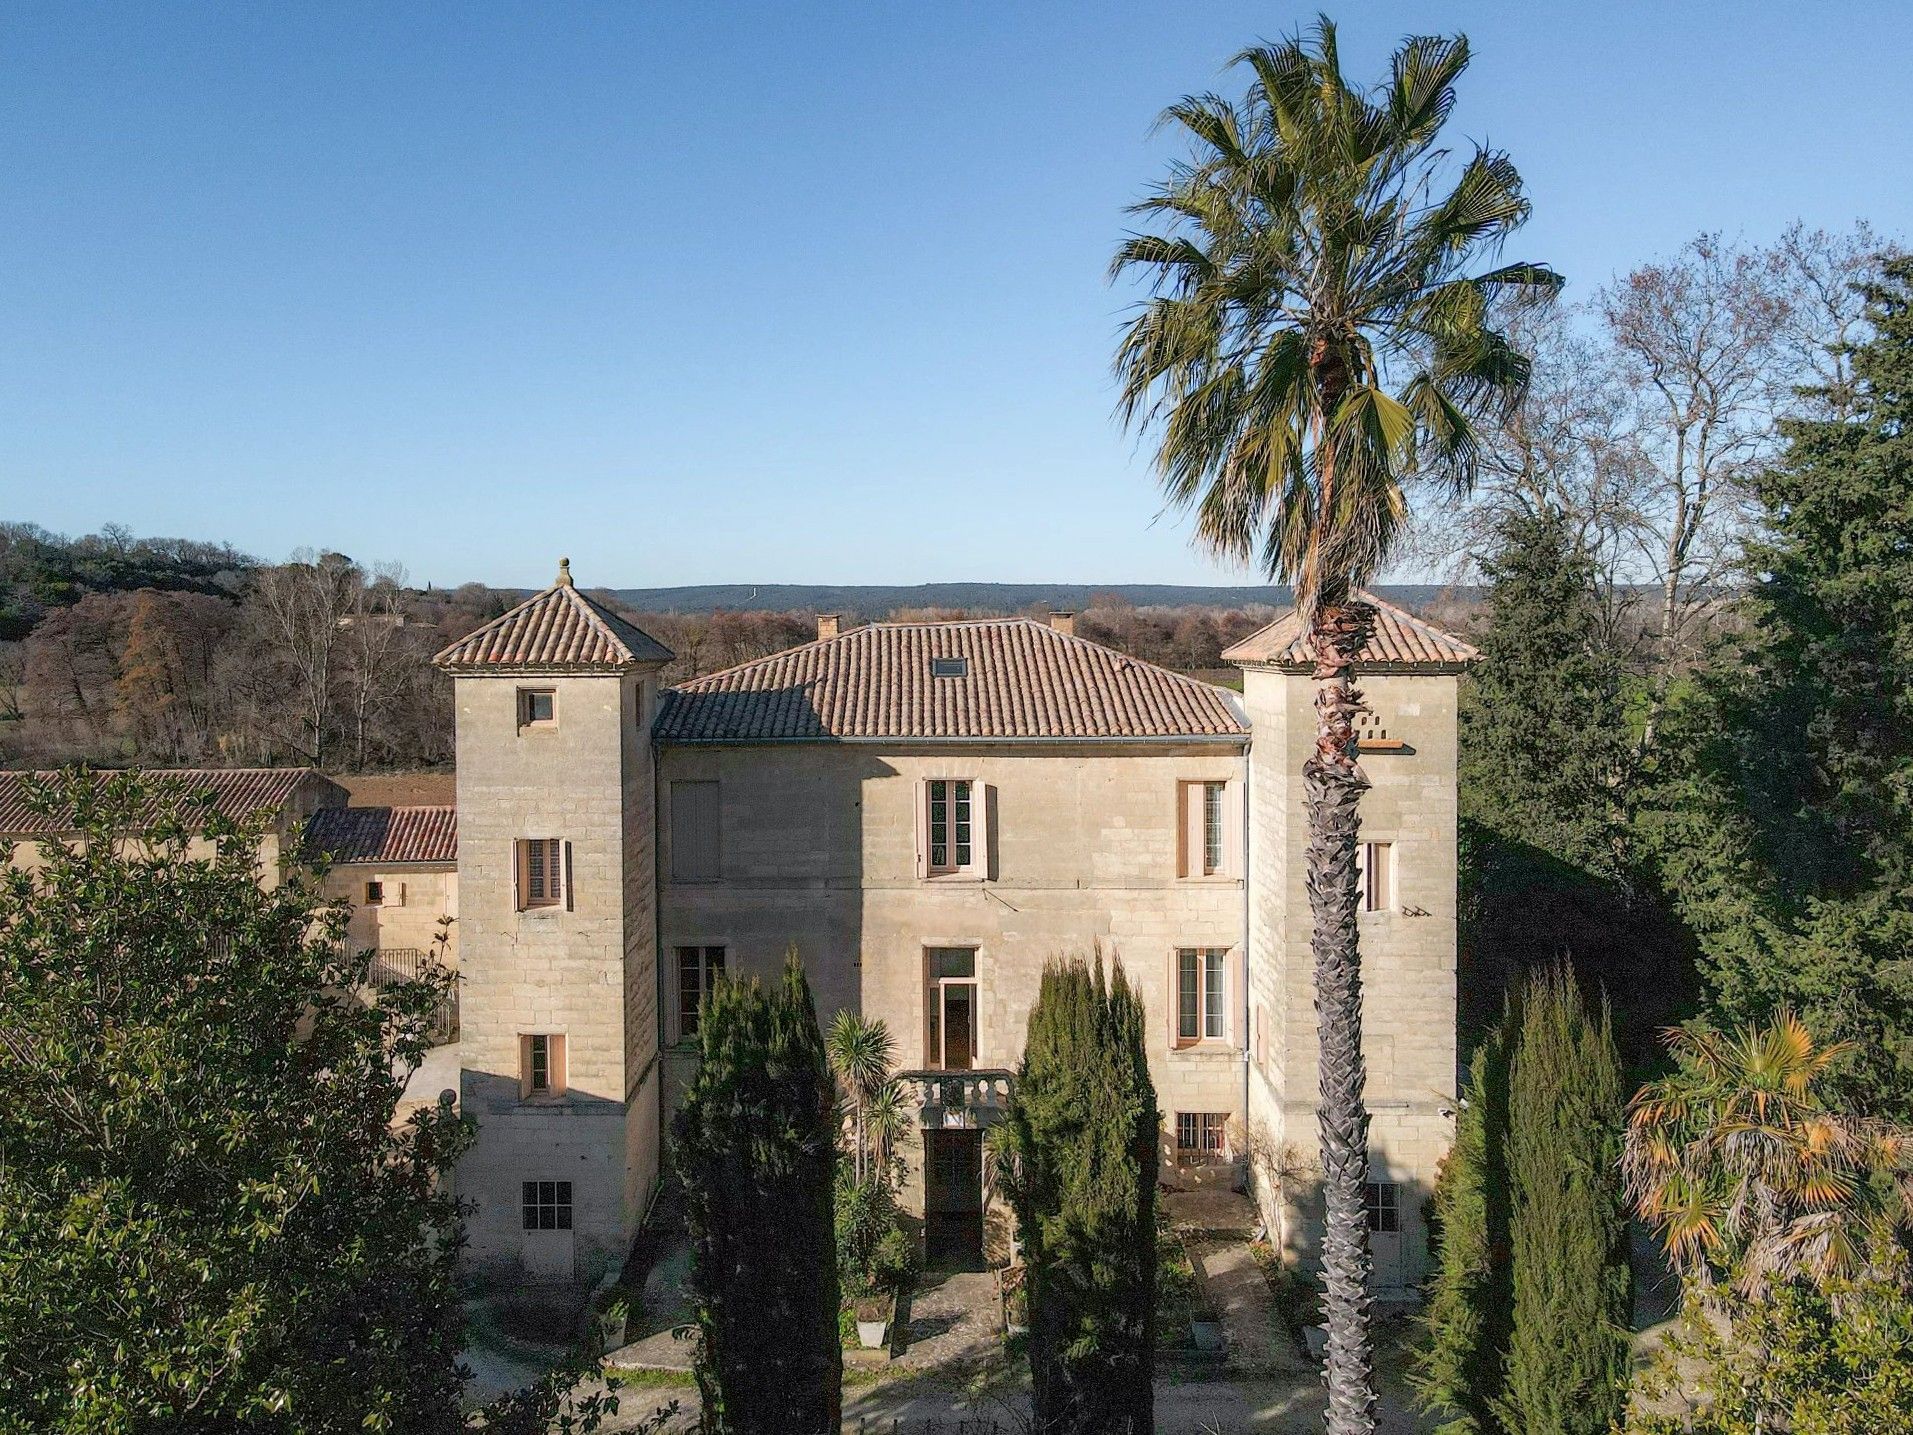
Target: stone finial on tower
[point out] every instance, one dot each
(564, 573)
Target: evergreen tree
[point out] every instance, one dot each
(1545, 773)
(1544, 740)
(209, 1219)
(1786, 827)
(1463, 1326)
(755, 1144)
(1082, 1129)
(1567, 1366)
(1526, 1327)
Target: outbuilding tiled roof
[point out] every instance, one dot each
(384, 834)
(559, 630)
(1020, 679)
(238, 792)
(1400, 640)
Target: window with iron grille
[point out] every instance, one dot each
(546, 1205)
(1201, 1133)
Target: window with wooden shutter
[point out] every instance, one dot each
(1202, 994)
(696, 844)
(542, 872)
(953, 828)
(1208, 832)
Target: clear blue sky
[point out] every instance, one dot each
(715, 292)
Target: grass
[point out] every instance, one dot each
(650, 1379)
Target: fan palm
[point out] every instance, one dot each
(1743, 1169)
(1313, 340)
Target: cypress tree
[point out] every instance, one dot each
(1082, 1131)
(756, 1146)
(1572, 1290)
(1464, 1324)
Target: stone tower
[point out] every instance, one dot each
(1409, 673)
(558, 901)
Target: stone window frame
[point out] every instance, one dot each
(525, 703)
(1378, 882)
(554, 1059)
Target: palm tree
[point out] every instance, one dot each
(1745, 1171)
(861, 1054)
(1312, 341)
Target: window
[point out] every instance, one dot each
(374, 893)
(698, 971)
(952, 825)
(1375, 872)
(537, 707)
(949, 667)
(1201, 994)
(1211, 828)
(1383, 1201)
(951, 1008)
(546, 1205)
(1201, 1133)
(1206, 836)
(543, 878)
(541, 1066)
(696, 851)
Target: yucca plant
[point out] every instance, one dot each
(1315, 338)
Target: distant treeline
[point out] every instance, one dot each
(121, 650)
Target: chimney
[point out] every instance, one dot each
(1064, 623)
(827, 624)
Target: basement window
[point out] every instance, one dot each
(949, 667)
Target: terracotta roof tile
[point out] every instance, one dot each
(238, 792)
(1022, 680)
(558, 630)
(1400, 640)
(385, 834)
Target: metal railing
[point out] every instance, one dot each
(394, 965)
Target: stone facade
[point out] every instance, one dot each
(582, 968)
(819, 850)
(1408, 958)
(817, 841)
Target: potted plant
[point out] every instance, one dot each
(874, 1313)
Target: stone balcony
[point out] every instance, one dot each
(958, 1100)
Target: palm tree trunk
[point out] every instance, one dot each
(1333, 783)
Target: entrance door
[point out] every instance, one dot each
(1384, 1201)
(953, 1199)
